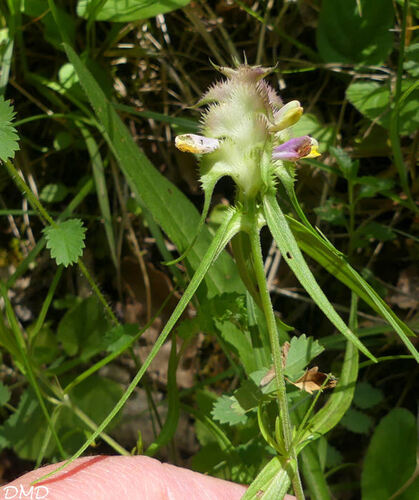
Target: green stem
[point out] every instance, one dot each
(98, 293)
(276, 350)
(37, 205)
(33, 200)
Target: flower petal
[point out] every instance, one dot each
(198, 144)
(297, 148)
(287, 116)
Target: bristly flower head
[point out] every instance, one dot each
(245, 131)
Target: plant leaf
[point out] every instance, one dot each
(391, 457)
(66, 241)
(301, 351)
(356, 421)
(8, 134)
(285, 240)
(336, 264)
(271, 483)
(4, 394)
(127, 10)
(344, 36)
(227, 410)
(373, 99)
(82, 329)
(367, 396)
(53, 193)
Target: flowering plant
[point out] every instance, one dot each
(247, 135)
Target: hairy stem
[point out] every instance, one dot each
(276, 351)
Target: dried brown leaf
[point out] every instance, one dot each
(313, 380)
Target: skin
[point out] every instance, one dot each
(124, 478)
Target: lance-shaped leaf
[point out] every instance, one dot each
(288, 246)
(335, 263)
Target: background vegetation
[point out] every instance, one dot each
(73, 336)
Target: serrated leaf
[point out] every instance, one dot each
(302, 350)
(66, 241)
(248, 395)
(356, 421)
(25, 430)
(22, 430)
(367, 396)
(8, 134)
(118, 336)
(4, 394)
(227, 410)
(372, 231)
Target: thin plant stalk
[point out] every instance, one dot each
(276, 353)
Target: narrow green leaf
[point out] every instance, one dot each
(101, 189)
(288, 246)
(128, 10)
(313, 473)
(336, 264)
(66, 241)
